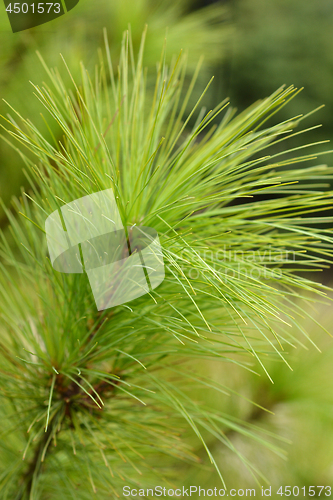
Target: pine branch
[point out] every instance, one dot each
(119, 382)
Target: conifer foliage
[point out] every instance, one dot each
(93, 400)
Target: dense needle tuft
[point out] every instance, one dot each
(95, 400)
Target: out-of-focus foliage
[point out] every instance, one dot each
(301, 402)
(282, 42)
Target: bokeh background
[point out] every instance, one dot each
(252, 47)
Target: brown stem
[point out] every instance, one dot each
(34, 468)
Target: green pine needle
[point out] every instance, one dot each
(238, 219)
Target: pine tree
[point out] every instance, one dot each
(93, 400)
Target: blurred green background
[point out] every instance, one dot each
(252, 47)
